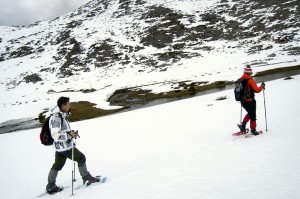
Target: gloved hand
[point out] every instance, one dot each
(264, 85)
(74, 134)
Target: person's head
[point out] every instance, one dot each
(248, 70)
(64, 104)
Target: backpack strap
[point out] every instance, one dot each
(247, 84)
(60, 115)
(247, 90)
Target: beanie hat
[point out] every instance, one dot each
(248, 70)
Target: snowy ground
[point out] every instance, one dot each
(182, 149)
(225, 62)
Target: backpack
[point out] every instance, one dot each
(45, 135)
(241, 92)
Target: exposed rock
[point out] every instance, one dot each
(22, 51)
(34, 78)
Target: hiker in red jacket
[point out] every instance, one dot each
(250, 104)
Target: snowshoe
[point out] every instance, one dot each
(254, 133)
(241, 133)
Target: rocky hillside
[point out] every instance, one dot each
(118, 35)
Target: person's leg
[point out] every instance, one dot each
(79, 157)
(252, 114)
(59, 163)
(246, 119)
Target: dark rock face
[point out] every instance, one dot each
(34, 78)
(162, 34)
(22, 51)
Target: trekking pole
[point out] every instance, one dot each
(265, 110)
(73, 164)
(73, 171)
(73, 154)
(241, 114)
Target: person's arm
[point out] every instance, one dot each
(254, 86)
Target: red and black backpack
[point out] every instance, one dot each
(45, 135)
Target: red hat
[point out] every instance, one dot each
(248, 70)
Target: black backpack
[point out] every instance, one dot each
(45, 135)
(241, 92)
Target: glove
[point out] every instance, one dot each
(73, 134)
(264, 85)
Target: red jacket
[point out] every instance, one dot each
(252, 88)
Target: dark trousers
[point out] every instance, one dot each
(250, 107)
(61, 157)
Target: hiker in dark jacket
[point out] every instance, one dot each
(250, 104)
(63, 144)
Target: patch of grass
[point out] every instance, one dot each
(194, 87)
(83, 110)
(42, 117)
(132, 96)
(277, 70)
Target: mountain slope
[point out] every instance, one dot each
(104, 34)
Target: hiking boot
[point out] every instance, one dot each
(254, 132)
(242, 127)
(91, 180)
(52, 188)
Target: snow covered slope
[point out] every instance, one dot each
(182, 149)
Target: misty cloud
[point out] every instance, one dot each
(25, 12)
